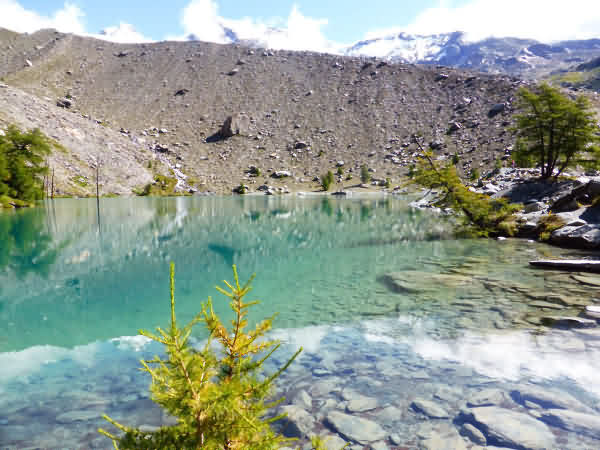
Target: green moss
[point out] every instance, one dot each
(549, 224)
(163, 186)
(80, 181)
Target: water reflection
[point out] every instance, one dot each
(453, 318)
(26, 244)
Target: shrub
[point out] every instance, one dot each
(340, 171)
(327, 180)
(455, 159)
(217, 397)
(388, 183)
(241, 189)
(365, 175)
(548, 224)
(481, 215)
(555, 131)
(22, 164)
(162, 186)
(474, 174)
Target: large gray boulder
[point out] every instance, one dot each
(576, 422)
(298, 423)
(355, 428)
(585, 237)
(236, 124)
(505, 428)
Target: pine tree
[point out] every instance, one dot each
(22, 157)
(480, 215)
(555, 131)
(218, 398)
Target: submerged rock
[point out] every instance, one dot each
(580, 423)
(428, 408)
(355, 428)
(506, 428)
(298, 423)
(547, 398)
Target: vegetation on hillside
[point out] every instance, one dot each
(22, 166)
(216, 393)
(555, 132)
(480, 215)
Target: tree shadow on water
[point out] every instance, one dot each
(26, 245)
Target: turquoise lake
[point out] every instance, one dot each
(387, 305)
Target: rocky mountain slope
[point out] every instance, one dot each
(300, 113)
(521, 57)
(586, 75)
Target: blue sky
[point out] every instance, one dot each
(322, 25)
(348, 20)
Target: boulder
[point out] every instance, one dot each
(576, 422)
(496, 109)
(585, 237)
(281, 174)
(64, 103)
(429, 409)
(567, 322)
(547, 398)
(355, 428)
(236, 124)
(297, 424)
(505, 428)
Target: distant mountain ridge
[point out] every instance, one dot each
(526, 58)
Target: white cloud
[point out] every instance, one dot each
(14, 17)
(544, 20)
(69, 19)
(124, 33)
(201, 19)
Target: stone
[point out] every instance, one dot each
(303, 400)
(413, 281)
(592, 312)
(567, 322)
(298, 423)
(473, 434)
(534, 207)
(506, 428)
(590, 280)
(443, 437)
(576, 422)
(355, 428)
(488, 397)
(333, 442)
(592, 334)
(496, 109)
(361, 404)
(64, 103)
(78, 416)
(323, 387)
(547, 399)
(584, 265)
(300, 145)
(233, 125)
(430, 409)
(585, 237)
(281, 174)
(389, 415)
(548, 305)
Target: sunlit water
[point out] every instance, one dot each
(77, 283)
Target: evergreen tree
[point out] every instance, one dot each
(22, 158)
(555, 131)
(218, 398)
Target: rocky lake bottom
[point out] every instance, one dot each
(410, 341)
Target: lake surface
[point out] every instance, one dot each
(418, 335)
